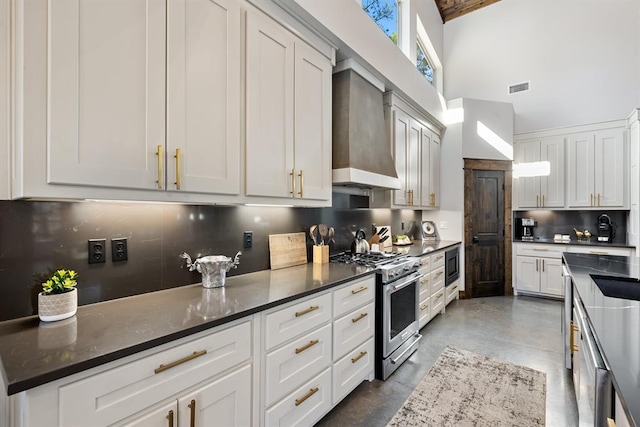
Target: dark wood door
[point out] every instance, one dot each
(486, 222)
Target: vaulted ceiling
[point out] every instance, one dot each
(450, 9)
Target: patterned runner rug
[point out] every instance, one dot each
(466, 389)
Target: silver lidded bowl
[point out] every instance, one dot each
(213, 268)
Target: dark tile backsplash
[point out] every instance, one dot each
(549, 223)
(38, 237)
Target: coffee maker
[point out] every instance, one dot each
(606, 229)
(524, 229)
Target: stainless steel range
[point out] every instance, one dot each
(397, 294)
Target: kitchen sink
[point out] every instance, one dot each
(618, 287)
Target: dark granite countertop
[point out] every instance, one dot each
(616, 322)
(34, 353)
(574, 242)
(419, 248)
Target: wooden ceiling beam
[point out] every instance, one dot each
(450, 9)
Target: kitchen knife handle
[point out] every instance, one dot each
(293, 182)
(178, 173)
(301, 192)
(159, 155)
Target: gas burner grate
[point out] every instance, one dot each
(370, 259)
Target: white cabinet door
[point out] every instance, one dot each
(527, 274)
(269, 109)
(413, 162)
(165, 415)
(223, 402)
(106, 101)
(552, 186)
(551, 276)
(312, 123)
(610, 166)
(401, 132)
(203, 96)
(581, 171)
(434, 170)
(528, 187)
(425, 168)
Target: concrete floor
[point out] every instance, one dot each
(522, 330)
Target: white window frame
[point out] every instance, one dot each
(427, 47)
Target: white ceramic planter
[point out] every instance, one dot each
(57, 306)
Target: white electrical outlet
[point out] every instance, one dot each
(444, 224)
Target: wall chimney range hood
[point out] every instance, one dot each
(361, 146)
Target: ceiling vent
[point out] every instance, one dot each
(518, 87)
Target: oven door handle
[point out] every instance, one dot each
(409, 280)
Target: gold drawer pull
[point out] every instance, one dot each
(357, 291)
(598, 199)
(610, 422)
(192, 408)
(454, 288)
(357, 319)
(195, 354)
(306, 346)
(574, 328)
(170, 418)
(440, 257)
(358, 357)
(178, 173)
(159, 150)
(541, 249)
(424, 307)
(424, 281)
(440, 273)
(308, 310)
(599, 252)
(310, 393)
(575, 348)
(439, 295)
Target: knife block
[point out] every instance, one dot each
(320, 254)
(386, 245)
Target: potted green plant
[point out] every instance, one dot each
(59, 297)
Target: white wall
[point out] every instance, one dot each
(582, 58)
(497, 117)
(359, 36)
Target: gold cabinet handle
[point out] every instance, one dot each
(611, 422)
(308, 310)
(543, 266)
(170, 418)
(591, 199)
(543, 200)
(574, 348)
(357, 319)
(192, 356)
(178, 173)
(358, 357)
(307, 346)
(440, 273)
(541, 249)
(424, 281)
(439, 257)
(357, 291)
(433, 199)
(310, 393)
(292, 174)
(440, 295)
(159, 150)
(424, 307)
(598, 199)
(454, 288)
(599, 252)
(537, 201)
(301, 192)
(536, 265)
(192, 408)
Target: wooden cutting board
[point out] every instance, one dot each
(286, 250)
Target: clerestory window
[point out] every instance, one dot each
(385, 14)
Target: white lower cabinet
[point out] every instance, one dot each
(452, 291)
(432, 299)
(211, 374)
(538, 269)
(309, 371)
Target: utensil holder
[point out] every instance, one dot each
(320, 254)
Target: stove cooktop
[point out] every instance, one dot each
(390, 265)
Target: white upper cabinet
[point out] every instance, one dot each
(542, 191)
(106, 100)
(288, 152)
(434, 172)
(203, 96)
(597, 167)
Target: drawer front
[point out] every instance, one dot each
(113, 395)
(351, 370)
(437, 260)
(547, 251)
(425, 286)
(425, 262)
(452, 291)
(437, 280)
(288, 367)
(304, 406)
(599, 250)
(296, 319)
(352, 330)
(424, 312)
(437, 303)
(353, 295)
